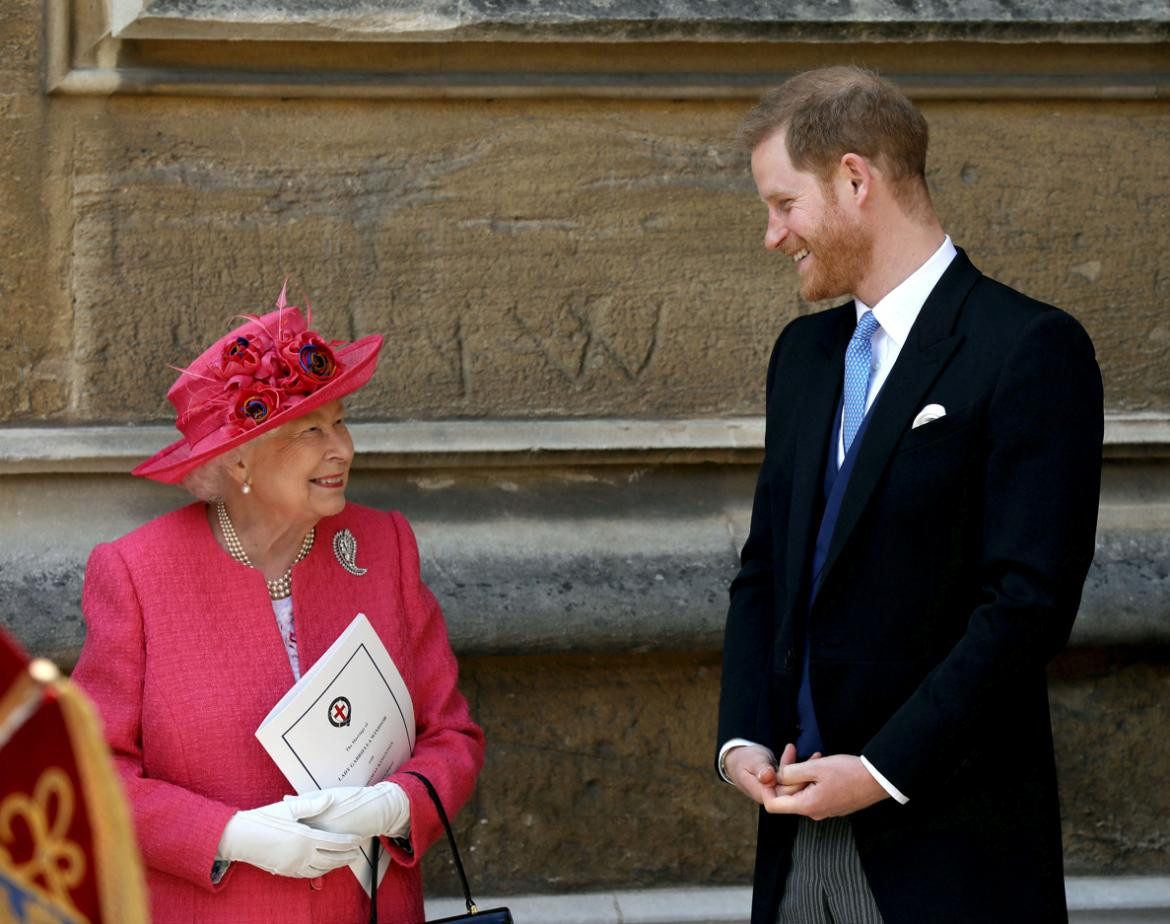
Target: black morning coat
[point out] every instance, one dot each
(953, 576)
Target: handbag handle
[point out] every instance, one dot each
(471, 909)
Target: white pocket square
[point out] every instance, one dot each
(927, 414)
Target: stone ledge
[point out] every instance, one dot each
(684, 49)
(636, 20)
(409, 444)
(610, 598)
(1091, 900)
(541, 536)
(462, 85)
(532, 559)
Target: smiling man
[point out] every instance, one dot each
(922, 526)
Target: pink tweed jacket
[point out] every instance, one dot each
(183, 658)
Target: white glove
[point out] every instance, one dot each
(273, 838)
(366, 811)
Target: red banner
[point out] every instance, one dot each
(67, 852)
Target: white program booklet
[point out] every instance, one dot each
(349, 721)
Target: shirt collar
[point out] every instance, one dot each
(897, 312)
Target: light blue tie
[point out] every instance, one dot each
(858, 364)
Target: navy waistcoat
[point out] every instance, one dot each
(808, 739)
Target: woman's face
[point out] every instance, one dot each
(299, 473)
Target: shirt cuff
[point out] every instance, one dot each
(738, 743)
(885, 784)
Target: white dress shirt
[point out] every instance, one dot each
(895, 314)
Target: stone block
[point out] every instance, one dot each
(34, 322)
(1000, 183)
(561, 20)
(599, 772)
(559, 259)
(1110, 712)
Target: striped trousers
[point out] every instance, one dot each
(826, 884)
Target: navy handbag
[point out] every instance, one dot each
(474, 915)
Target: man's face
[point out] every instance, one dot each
(830, 248)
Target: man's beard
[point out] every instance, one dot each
(842, 253)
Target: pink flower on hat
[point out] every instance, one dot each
(262, 374)
(272, 367)
(240, 356)
(309, 357)
(254, 404)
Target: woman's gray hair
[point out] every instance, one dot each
(210, 482)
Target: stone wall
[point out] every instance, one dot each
(620, 744)
(530, 259)
(548, 219)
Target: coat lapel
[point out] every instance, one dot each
(821, 385)
(324, 598)
(931, 343)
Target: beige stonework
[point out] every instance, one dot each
(536, 259)
(34, 376)
(550, 257)
(1110, 709)
(600, 772)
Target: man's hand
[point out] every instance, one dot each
(752, 771)
(825, 787)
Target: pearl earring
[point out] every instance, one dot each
(246, 487)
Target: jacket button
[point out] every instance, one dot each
(790, 659)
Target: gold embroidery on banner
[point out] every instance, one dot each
(56, 860)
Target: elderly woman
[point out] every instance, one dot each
(200, 620)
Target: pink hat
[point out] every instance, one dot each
(269, 371)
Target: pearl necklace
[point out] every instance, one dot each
(278, 588)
